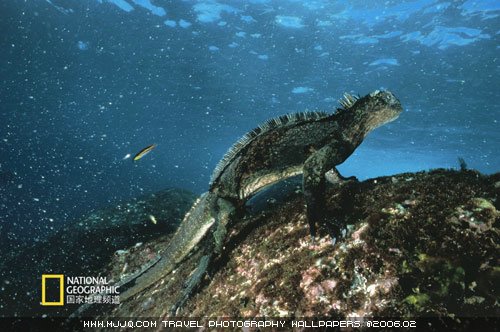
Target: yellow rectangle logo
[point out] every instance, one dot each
(61, 289)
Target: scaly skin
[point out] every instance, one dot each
(195, 225)
(310, 144)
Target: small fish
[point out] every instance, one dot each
(153, 219)
(126, 156)
(144, 152)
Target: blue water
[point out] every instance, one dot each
(84, 83)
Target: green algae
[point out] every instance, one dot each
(418, 301)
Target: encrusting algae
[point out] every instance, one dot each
(416, 244)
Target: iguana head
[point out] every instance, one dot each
(377, 109)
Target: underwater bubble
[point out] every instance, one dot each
(289, 21)
(170, 23)
(83, 45)
(302, 89)
(184, 24)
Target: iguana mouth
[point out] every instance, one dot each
(392, 100)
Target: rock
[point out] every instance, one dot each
(406, 256)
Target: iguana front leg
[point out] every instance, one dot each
(313, 182)
(225, 210)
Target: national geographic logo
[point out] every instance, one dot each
(77, 290)
(52, 289)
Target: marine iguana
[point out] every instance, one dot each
(309, 143)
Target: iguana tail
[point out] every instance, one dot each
(195, 225)
(197, 222)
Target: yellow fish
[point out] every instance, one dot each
(153, 219)
(144, 152)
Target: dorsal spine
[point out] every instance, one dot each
(287, 119)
